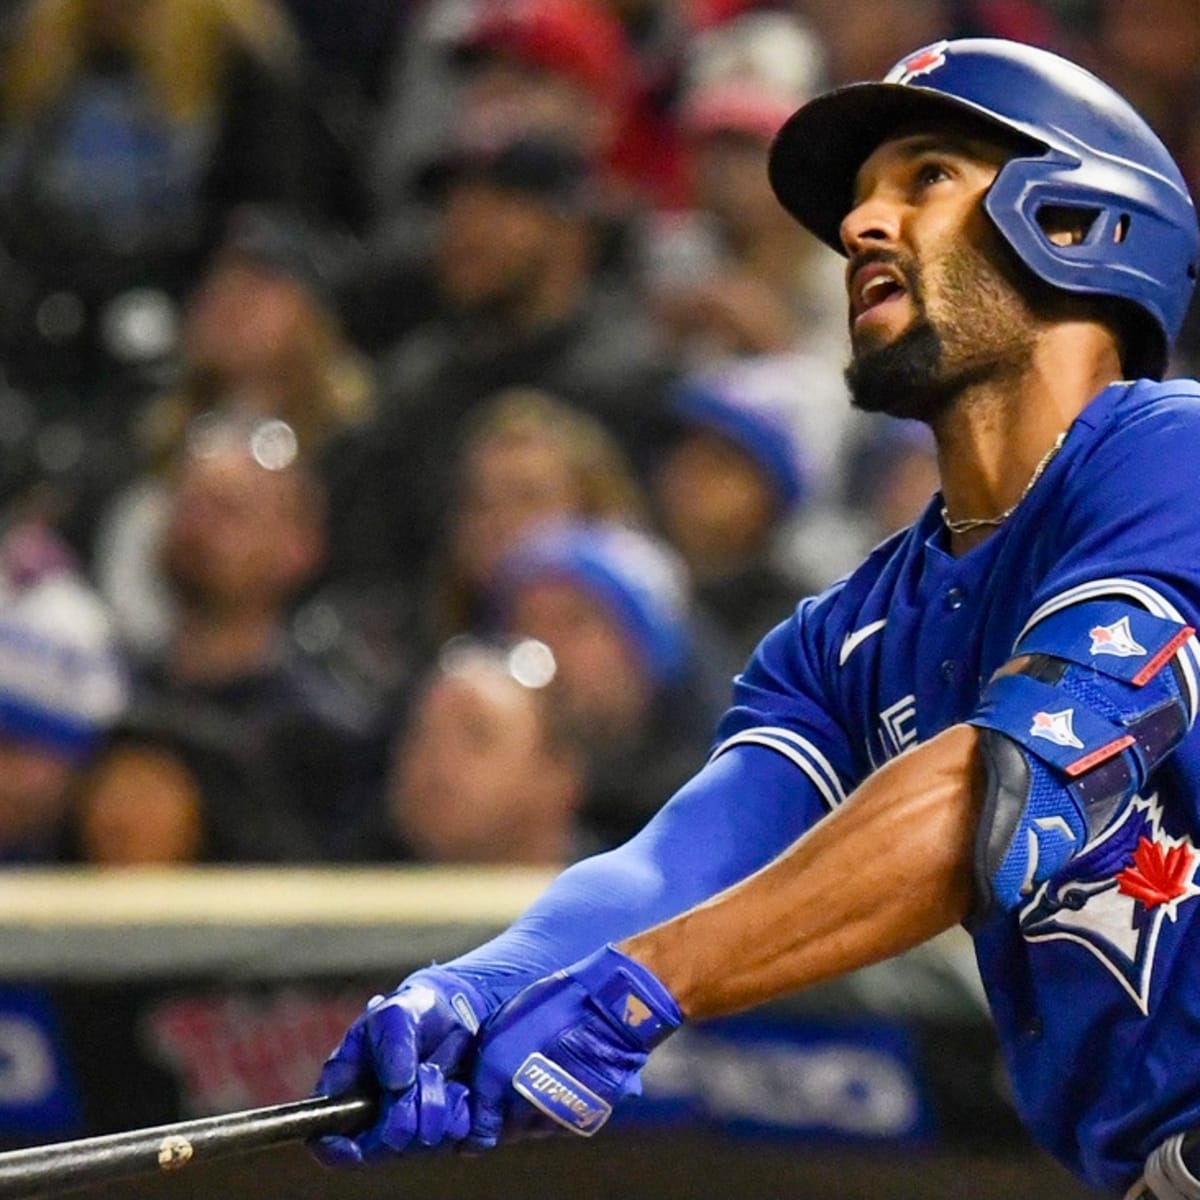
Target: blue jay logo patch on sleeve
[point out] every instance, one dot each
(1114, 895)
(1116, 639)
(1058, 727)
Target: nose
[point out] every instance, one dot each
(872, 222)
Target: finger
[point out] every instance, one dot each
(392, 1033)
(487, 1121)
(345, 1068)
(458, 1112)
(398, 1127)
(431, 1106)
(449, 1052)
(337, 1152)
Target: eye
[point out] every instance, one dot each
(929, 172)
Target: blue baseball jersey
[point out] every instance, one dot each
(1094, 983)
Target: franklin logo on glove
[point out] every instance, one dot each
(560, 1096)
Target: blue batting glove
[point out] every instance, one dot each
(571, 1046)
(405, 1047)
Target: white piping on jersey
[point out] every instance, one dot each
(1153, 602)
(796, 748)
(852, 641)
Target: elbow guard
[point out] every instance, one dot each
(1070, 738)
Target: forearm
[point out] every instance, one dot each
(739, 813)
(887, 870)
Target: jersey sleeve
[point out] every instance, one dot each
(1128, 524)
(784, 713)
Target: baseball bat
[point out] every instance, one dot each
(49, 1170)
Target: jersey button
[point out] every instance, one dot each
(948, 669)
(954, 599)
(1034, 1028)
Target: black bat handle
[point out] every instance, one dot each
(45, 1170)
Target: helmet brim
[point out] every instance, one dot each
(817, 153)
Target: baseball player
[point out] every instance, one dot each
(989, 722)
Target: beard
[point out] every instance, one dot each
(982, 328)
(903, 378)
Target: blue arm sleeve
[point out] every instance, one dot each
(742, 810)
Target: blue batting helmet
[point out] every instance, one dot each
(1088, 150)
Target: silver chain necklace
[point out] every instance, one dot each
(966, 524)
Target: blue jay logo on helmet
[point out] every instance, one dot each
(1116, 895)
(921, 63)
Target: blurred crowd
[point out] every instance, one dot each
(413, 412)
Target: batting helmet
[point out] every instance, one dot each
(1088, 150)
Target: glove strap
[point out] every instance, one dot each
(630, 997)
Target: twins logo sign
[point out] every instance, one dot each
(1115, 894)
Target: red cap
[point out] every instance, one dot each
(737, 106)
(574, 38)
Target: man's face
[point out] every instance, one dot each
(492, 247)
(236, 533)
(33, 791)
(475, 770)
(602, 680)
(934, 302)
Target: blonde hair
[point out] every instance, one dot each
(335, 389)
(596, 462)
(180, 46)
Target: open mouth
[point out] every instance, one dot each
(874, 286)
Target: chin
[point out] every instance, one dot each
(902, 377)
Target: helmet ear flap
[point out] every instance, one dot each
(1089, 240)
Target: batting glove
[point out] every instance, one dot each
(405, 1047)
(565, 1050)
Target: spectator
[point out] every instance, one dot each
(260, 339)
(1150, 51)
(527, 458)
(129, 128)
(61, 685)
(488, 770)
(734, 473)
(244, 534)
(558, 68)
(890, 476)
(864, 37)
(524, 307)
(735, 275)
(173, 786)
(890, 472)
(637, 677)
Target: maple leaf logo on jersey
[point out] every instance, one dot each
(1114, 896)
(1058, 728)
(1116, 639)
(920, 63)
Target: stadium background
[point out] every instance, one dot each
(310, 310)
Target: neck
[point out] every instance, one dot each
(209, 647)
(992, 440)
